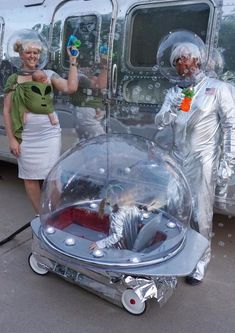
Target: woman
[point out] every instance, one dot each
(37, 146)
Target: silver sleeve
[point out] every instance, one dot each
(169, 109)
(116, 234)
(123, 225)
(227, 121)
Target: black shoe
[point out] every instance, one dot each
(192, 281)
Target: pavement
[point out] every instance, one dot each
(30, 303)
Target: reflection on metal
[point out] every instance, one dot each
(30, 3)
(144, 288)
(87, 29)
(166, 287)
(114, 79)
(2, 26)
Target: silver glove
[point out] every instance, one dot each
(224, 173)
(169, 110)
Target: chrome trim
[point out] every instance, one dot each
(114, 79)
(113, 265)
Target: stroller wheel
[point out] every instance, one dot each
(132, 303)
(35, 267)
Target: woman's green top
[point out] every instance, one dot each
(28, 96)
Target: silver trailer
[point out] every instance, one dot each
(122, 36)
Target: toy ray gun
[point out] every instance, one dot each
(188, 94)
(73, 44)
(104, 49)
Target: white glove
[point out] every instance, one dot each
(176, 103)
(169, 111)
(172, 114)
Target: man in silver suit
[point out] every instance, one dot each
(203, 138)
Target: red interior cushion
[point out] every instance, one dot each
(82, 217)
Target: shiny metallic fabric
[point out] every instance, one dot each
(124, 226)
(144, 288)
(202, 265)
(160, 288)
(204, 144)
(165, 288)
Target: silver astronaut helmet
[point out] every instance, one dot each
(22, 40)
(120, 192)
(181, 46)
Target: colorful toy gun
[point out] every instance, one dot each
(73, 43)
(104, 49)
(187, 100)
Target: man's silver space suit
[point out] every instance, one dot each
(204, 144)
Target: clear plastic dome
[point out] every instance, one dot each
(215, 64)
(26, 37)
(120, 192)
(175, 44)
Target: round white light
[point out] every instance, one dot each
(171, 225)
(70, 241)
(98, 253)
(93, 205)
(135, 259)
(50, 230)
(145, 215)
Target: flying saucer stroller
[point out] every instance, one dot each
(115, 220)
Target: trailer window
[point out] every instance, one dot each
(147, 26)
(226, 43)
(86, 29)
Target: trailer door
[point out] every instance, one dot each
(91, 22)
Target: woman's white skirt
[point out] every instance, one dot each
(40, 147)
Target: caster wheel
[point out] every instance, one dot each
(35, 267)
(132, 303)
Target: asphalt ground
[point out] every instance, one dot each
(30, 303)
